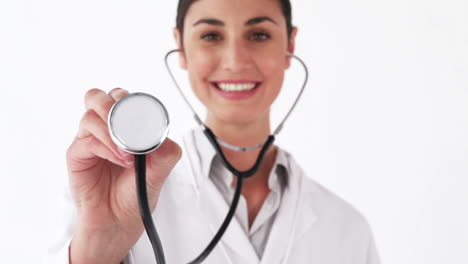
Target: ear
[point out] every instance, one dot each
(178, 39)
(291, 45)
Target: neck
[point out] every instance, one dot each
(246, 135)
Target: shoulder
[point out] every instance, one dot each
(333, 209)
(329, 207)
(338, 223)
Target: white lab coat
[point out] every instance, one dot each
(312, 225)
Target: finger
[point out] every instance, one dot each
(100, 102)
(161, 162)
(118, 93)
(166, 155)
(102, 151)
(92, 124)
(82, 154)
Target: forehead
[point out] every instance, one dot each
(234, 11)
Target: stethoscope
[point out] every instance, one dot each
(139, 124)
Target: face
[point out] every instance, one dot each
(235, 55)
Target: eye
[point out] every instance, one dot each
(259, 36)
(211, 36)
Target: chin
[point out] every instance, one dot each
(238, 116)
(235, 118)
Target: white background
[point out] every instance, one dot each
(383, 123)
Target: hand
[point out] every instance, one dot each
(102, 182)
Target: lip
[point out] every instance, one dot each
(236, 95)
(235, 81)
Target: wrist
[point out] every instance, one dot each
(96, 248)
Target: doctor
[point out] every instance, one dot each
(235, 55)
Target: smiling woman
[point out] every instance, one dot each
(236, 54)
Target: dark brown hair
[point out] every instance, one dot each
(184, 6)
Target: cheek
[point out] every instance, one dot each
(273, 70)
(200, 65)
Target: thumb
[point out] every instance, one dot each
(160, 163)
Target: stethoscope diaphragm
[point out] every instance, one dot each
(138, 123)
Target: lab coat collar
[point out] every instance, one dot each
(234, 239)
(295, 216)
(212, 204)
(206, 152)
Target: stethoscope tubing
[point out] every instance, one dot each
(140, 165)
(140, 170)
(145, 212)
(198, 119)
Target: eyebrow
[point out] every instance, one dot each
(250, 22)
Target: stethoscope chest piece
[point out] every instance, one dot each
(138, 123)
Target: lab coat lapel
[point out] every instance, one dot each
(213, 205)
(234, 239)
(294, 218)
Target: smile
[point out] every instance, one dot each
(234, 87)
(236, 90)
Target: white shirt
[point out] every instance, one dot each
(312, 225)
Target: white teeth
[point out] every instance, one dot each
(229, 87)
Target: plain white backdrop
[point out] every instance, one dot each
(383, 122)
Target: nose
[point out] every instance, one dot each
(236, 57)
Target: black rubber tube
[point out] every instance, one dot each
(140, 170)
(224, 226)
(145, 212)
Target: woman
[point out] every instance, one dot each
(235, 54)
